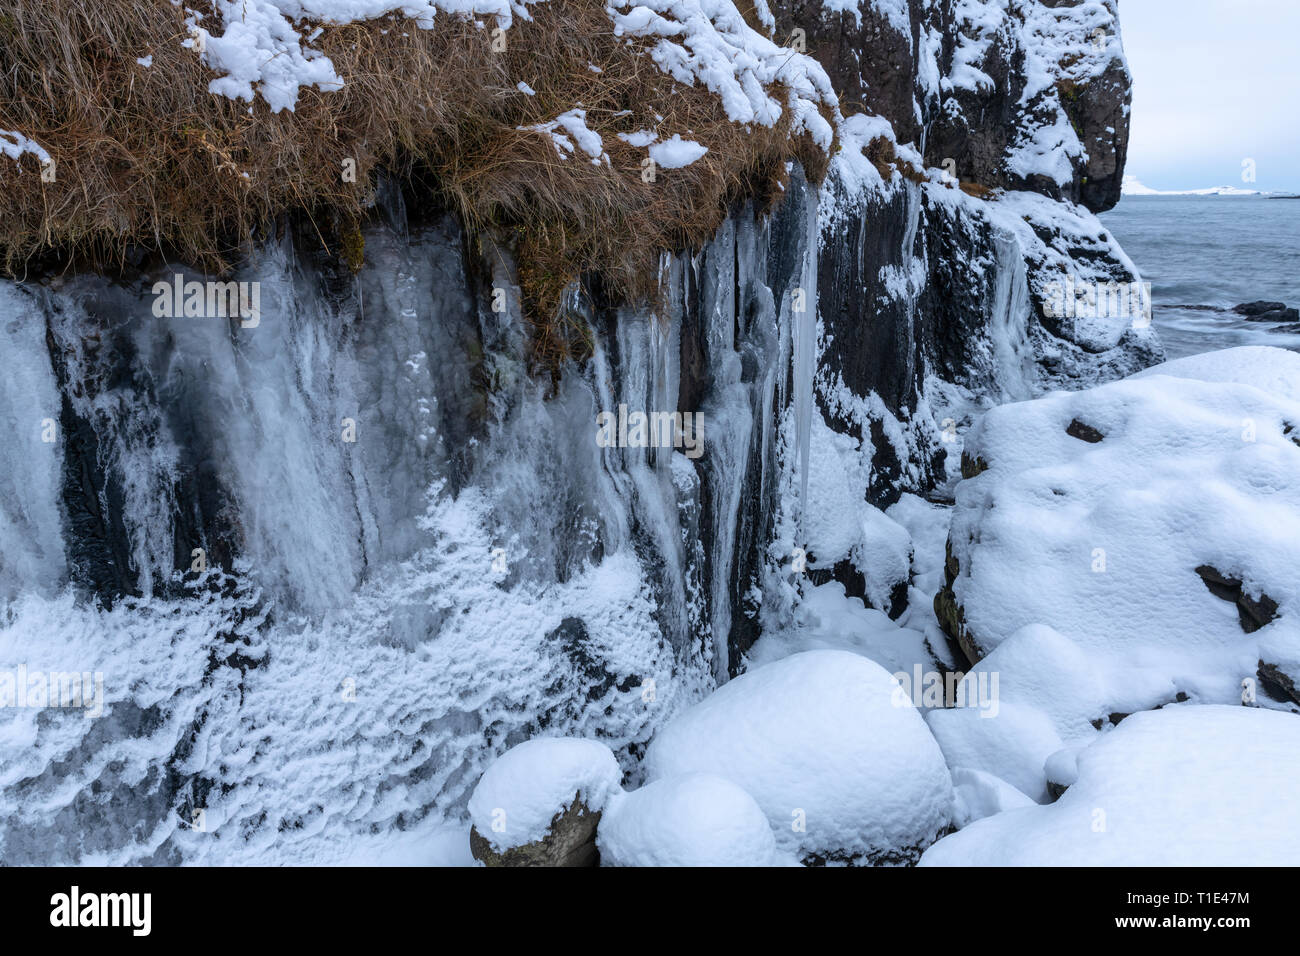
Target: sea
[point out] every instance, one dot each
(1205, 254)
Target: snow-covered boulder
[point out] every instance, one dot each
(1153, 522)
(1187, 785)
(540, 802)
(697, 819)
(843, 767)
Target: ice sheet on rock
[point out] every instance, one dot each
(696, 819)
(818, 739)
(530, 784)
(1186, 785)
(31, 468)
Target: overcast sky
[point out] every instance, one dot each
(1215, 82)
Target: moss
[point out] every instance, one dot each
(354, 249)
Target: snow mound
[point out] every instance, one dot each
(1187, 785)
(522, 792)
(978, 795)
(1012, 745)
(841, 769)
(698, 819)
(1153, 522)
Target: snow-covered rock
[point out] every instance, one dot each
(697, 819)
(977, 795)
(1012, 744)
(1153, 522)
(843, 770)
(1187, 785)
(546, 793)
(848, 539)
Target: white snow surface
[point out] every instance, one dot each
(527, 786)
(14, 145)
(676, 152)
(696, 819)
(818, 738)
(1186, 785)
(1101, 541)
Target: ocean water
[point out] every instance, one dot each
(1205, 254)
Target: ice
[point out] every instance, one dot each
(31, 527)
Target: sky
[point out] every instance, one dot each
(1215, 82)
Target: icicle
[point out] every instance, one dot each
(803, 330)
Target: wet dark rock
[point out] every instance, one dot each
(1277, 683)
(1077, 429)
(1264, 311)
(1253, 612)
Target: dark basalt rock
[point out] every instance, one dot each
(951, 615)
(1254, 613)
(1277, 683)
(1077, 429)
(1263, 311)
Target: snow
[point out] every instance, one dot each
(574, 124)
(676, 152)
(1101, 541)
(709, 42)
(260, 52)
(697, 819)
(1011, 742)
(819, 742)
(14, 145)
(977, 795)
(1132, 186)
(826, 619)
(522, 792)
(1186, 785)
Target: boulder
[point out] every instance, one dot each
(539, 804)
(836, 756)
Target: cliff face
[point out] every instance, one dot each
(363, 525)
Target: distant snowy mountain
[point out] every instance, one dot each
(1132, 186)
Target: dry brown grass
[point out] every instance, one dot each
(148, 158)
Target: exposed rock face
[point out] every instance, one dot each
(571, 841)
(1032, 95)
